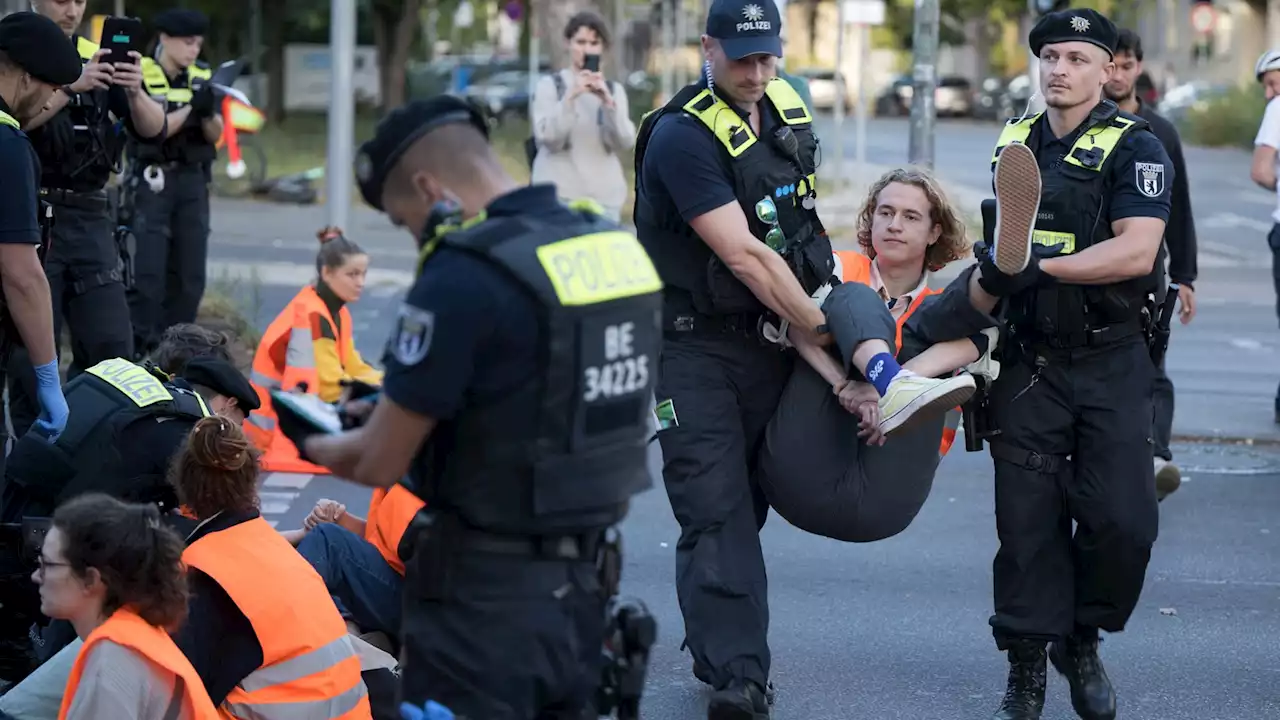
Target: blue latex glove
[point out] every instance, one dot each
(431, 711)
(53, 406)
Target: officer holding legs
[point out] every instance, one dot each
(169, 182)
(80, 139)
(1087, 186)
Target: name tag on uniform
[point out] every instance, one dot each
(598, 268)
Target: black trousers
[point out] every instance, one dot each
(724, 389)
(1273, 241)
(170, 263)
(83, 267)
(1075, 444)
(1162, 393)
(506, 638)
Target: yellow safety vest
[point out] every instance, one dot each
(157, 82)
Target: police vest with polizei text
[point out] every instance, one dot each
(566, 453)
(1074, 206)
(104, 400)
(186, 144)
(763, 178)
(97, 139)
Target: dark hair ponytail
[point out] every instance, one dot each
(335, 248)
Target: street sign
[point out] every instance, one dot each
(1203, 18)
(864, 12)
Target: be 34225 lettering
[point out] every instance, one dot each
(622, 372)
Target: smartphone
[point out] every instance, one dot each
(591, 62)
(119, 36)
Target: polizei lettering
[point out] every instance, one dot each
(754, 25)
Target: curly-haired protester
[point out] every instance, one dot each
(115, 572)
(811, 469)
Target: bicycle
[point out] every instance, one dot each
(241, 166)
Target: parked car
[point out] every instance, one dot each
(505, 94)
(952, 97)
(1181, 99)
(988, 102)
(824, 86)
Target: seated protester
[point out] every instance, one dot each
(359, 559)
(811, 469)
(116, 574)
(310, 344)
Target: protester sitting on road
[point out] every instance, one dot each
(359, 559)
(582, 121)
(311, 343)
(810, 470)
(115, 572)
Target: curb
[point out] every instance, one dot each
(1226, 440)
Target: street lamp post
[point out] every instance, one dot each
(342, 40)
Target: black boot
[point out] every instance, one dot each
(1077, 659)
(742, 700)
(1024, 700)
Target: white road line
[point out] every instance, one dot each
(295, 481)
(276, 503)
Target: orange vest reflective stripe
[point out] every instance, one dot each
(285, 358)
(128, 629)
(308, 662)
(390, 512)
(856, 268)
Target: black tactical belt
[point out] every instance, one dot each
(92, 200)
(1089, 337)
(549, 547)
(745, 324)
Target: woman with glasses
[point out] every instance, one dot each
(115, 572)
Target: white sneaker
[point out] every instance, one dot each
(1168, 478)
(911, 397)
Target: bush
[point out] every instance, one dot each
(1230, 119)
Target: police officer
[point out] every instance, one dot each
(517, 401)
(169, 183)
(1073, 400)
(726, 207)
(79, 143)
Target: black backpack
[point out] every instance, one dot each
(531, 144)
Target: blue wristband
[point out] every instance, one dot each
(47, 374)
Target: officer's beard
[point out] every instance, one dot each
(30, 101)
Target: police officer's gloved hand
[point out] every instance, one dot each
(202, 101)
(53, 406)
(431, 711)
(999, 284)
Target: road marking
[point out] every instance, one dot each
(296, 275)
(295, 481)
(1232, 220)
(276, 503)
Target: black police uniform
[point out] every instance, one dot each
(1074, 406)
(722, 380)
(79, 148)
(172, 225)
(530, 335)
(35, 44)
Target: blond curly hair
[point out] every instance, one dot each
(952, 242)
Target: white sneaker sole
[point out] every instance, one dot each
(934, 402)
(1018, 188)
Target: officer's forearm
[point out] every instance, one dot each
(819, 359)
(178, 117)
(26, 292)
(767, 276)
(339, 453)
(148, 115)
(1124, 257)
(55, 105)
(212, 129)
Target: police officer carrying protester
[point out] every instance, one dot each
(79, 142)
(169, 182)
(726, 207)
(35, 60)
(517, 402)
(1179, 242)
(1083, 192)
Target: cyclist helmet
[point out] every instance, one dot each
(1269, 61)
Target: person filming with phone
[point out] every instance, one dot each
(79, 139)
(582, 121)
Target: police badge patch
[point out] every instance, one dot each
(413, 335)
(1149, 178)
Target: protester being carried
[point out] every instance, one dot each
(115, 572)
(825, 465)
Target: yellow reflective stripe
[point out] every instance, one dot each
(599, 267)
(587, 205)
(265, 423)
(133, 381)
(299, 667)
(85, 47)
(1105, 139)
(11, 121)
(265, 381)
(1014, 131)
(724, 122)
(787, 102)
(199, 72)
(301, 352)
(204, 409)
(179, 95)
(807, 185)
(1050, 238)
(334, 707)
(430, 246)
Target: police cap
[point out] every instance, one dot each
(399, 130)
(37, 45)
(179, 22)
(1082, 25)
(746, 27)
(223, 378)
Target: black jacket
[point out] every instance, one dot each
(1180, 234)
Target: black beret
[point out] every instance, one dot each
(1081, 25)
(38, 46)
(223, 378)
(400, 129)
(179, 22)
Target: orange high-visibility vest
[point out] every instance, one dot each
(856, 268)
(128, 629)
(308, 661)
(390, 512)
(285, 357)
